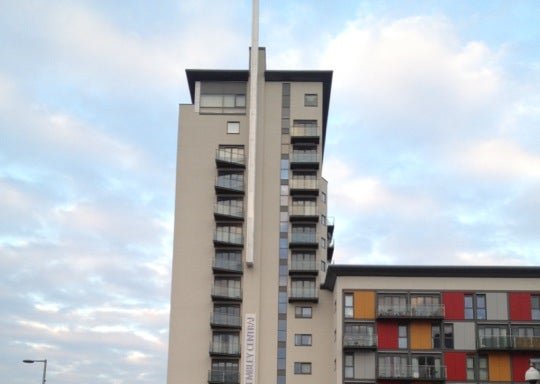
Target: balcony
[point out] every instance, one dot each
(303, 267)
(304, 186)
(526, 343)
(219, 319)
(304, 160)
(494, 342)
(227, 265)
(226, 293)
(330, 251)
(223, 376)
(230, 184)
(224, 210)
(224, 349)
(230, 158)
(359, 341)
(435, 311)
(303, 295)
(304, 240)
(304, 213)
(304, 133)
(412, 372)
(228, 238)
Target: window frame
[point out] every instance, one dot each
(347, 307)
(348, 368)
(299, 368)
(303, 339)
(299, 312)
(311, 100)
(230, 125)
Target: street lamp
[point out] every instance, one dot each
(532, 375)
(44, 366)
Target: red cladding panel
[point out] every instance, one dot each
(456, 366)
(520, 306)
(453, 305)
(520, 364)
(387, 335)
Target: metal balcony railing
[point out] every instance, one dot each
(304, 293)
(359, 340)
(225, 319)
(223, 376)
(417, 311)
(414, 372)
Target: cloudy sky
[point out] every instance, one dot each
(433, 153)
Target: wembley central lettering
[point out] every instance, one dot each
(250, 348)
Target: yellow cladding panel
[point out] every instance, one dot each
(364, 305)
(420, 335)
(499, 367)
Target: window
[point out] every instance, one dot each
(224, 371)
(471, 369)
(349, 306)
(228, 260)
(233, 127)
(402, 337)
(302, 368)
(223, 97)
(535, 307)
(323, 243)
(303, 234)
(227, 287)
(349, 366)
(227, 343)
(483, 368)
(426, 305)
(323, 265)
(475, 307)
(323, 220)
(436, 336)
(310, 100)
(427, 367)
(302, 312)
(323, 197)
(226, 314)
(393, 366)
(448, 336)
(301, 339)
(304, 207)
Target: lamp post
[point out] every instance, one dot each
(44, 366)
(532, 375)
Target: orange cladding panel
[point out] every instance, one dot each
(499, 367)
(364, 305)
(420, 335)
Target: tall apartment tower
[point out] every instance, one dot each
(252, 239)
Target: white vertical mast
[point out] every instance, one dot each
(252, 140)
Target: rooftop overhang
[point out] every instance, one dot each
(467, 271)
(194, 75)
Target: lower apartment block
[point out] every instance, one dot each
(435, 324)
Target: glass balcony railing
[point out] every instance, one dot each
(304, 293)
(303, 183)
(230, 265)
(303, 265)
(223, 376)
(358, 340)
(304, 238)
(305, 131)
(233, 157)
(526, 342)
(227, 237)
(304, 157)
(225, 319)
(227, 292)
(494, 342)
(231, 210)
(231, 183)
(221, 348)
(418, 311)
(303, 210)
(412, 372)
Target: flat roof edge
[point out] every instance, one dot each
(469, 271)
